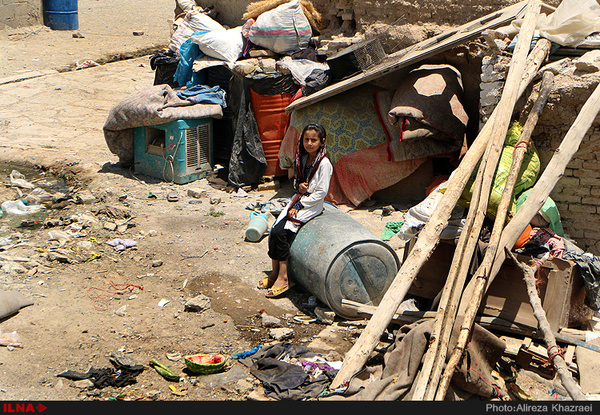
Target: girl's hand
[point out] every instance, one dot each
(293, 212)
(303, 188)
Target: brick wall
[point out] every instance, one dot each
(20, 13)
(577, 193)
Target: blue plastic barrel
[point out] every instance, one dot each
(336, 258)
(60, 14)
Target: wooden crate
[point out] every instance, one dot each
(560, 287)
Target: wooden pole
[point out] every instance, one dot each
(446, 322)
(489, 164)
(552, 173)
(558, 361)
(428, 237)
(545, 183)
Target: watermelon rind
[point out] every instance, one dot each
(204, 368)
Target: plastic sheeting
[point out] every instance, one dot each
(247, 163)
(571, 23)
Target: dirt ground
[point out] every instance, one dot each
(183, 250)
(91, 300)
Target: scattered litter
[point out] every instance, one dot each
(274, 207)
(18, 179)
(163, 370)
(205, 364)
(172, 196)
(174, 357)
(76, 230)
(18, 207)
(391, 229)
(122, 244)
(178, 390)
(121, 311)
(304, 319)
(163, 302)
(85, 64)
(10, 340)
(243, 355)
(60, 236)
(119, 376)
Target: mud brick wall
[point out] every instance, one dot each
(20, 13)
(577, 194)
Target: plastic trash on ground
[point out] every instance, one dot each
(17, 207)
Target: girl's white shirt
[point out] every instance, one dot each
(318, 188)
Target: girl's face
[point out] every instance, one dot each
(311, 142)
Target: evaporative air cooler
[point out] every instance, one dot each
(178, 151)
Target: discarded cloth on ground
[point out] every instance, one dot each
(11, 302)
(118, 376)
(391, 229)
(427, 109)
(290, 372)
(154, 105)
(394, 379)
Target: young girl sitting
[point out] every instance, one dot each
(312, 173)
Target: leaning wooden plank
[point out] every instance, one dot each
(546, 182)
(415, 53)
(408, 317)
(428, 237)
(553, 350)
(435, 357)
(489, 163)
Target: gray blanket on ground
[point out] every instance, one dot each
(402, 363)
(154, 105)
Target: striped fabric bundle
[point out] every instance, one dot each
(282, 29)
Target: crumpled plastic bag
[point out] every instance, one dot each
(122, 244)
(570, 23)
(10, 339)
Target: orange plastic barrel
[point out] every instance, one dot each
(271, 119)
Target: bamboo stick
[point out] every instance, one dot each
(428, 236)
(559, 363)
(493, 150)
